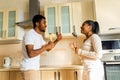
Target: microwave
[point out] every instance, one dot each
(111, 46)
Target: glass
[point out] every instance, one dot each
(51, 20)
(112, 72)
(65, 19)
(1, 23)
(113, 44)
(11, 23)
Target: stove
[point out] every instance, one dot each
(111, 63)
(111, 57)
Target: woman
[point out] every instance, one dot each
(91, 50)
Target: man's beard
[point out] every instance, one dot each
(42, 30)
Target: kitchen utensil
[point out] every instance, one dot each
(7, 62)
(50, 36)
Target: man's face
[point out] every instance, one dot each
(42, 25)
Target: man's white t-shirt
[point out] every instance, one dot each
(35, 39)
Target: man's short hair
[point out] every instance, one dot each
(37, 18)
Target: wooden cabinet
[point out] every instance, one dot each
(108, 16)
(62, 74)
(75, 74)
(79, 74)
(49, 75)
(4, 75)
(8, 29)
(54, 75)
(66, 16)
(15, 75)
(71, 75)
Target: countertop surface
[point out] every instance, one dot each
(60, 67)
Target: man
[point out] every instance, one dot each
(33, 46)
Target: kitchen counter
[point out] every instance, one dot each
(46, 67)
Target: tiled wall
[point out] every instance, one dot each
(12, 50)
(62, 54)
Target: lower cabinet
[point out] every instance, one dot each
(79, 74)
(15, 75)
(4, 75)
(70, 74)
(54, 75)
(49, 75)
(74, 74)
(64, 74)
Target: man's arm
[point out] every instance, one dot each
(32, 53)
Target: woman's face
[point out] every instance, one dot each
(85, 29)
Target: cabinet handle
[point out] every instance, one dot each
(2, 34)
(5, 33)
(76, 75)
(58, 75)
(58, 29)
(55, 76)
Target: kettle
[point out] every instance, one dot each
(7, 62)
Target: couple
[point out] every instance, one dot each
(34, 45)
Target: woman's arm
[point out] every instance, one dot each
(97, 49)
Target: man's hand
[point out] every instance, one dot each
(49, 46)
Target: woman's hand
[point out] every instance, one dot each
(74, 47)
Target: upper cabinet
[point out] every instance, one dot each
(65, 18)
(8, 29)
(58, 18)
(108, 15)
(2, 15)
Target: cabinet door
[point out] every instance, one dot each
(49, 75)
(4, 75)
(77, 18)
(62, 75)
(108, 16)
(11, 18)
(79, 75)
(82, 11)
(8, 29)
(65, 18)
(51, 17)
(67, 74)
(71, 75)
(58, 17)
(1, 24)
(15, 75)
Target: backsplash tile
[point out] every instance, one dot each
(60, 55)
